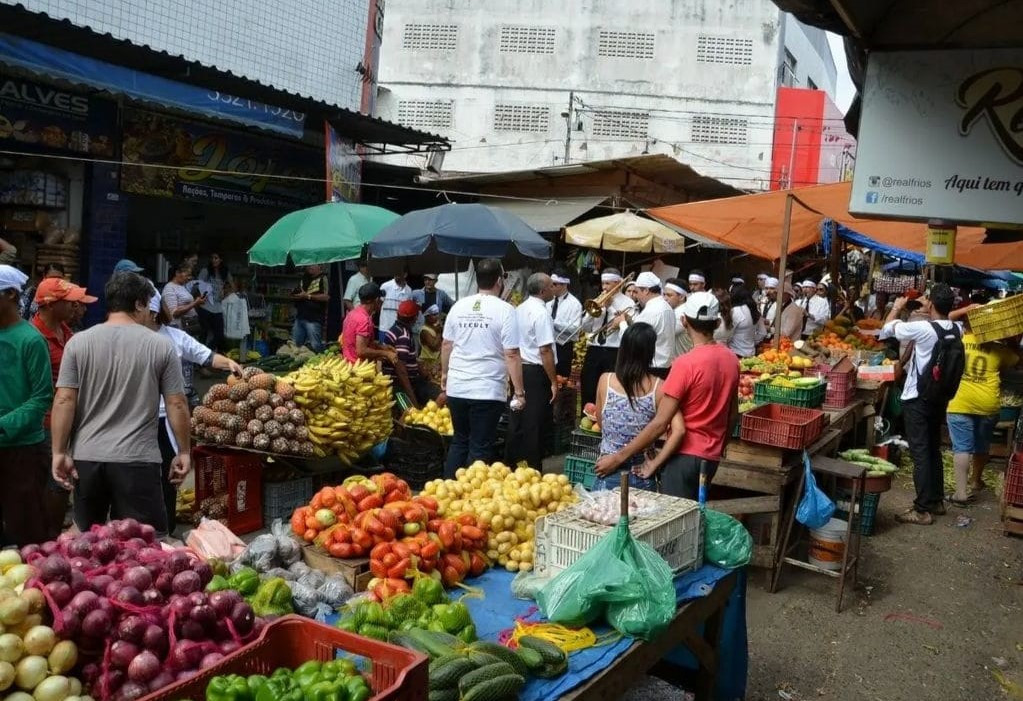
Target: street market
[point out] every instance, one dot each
(325, 387)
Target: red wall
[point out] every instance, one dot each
(816, 152)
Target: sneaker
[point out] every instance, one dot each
(911, 515)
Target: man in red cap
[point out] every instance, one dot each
(56, 299)
(406, 369)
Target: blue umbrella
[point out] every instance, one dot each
(428, 236)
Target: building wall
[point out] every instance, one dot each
(809, 46)
(691, 78)
(811, 145)
(308, 47)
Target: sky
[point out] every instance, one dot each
(844, 90)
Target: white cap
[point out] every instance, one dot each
(771, 283)
(431, 276)
(558, 280)
(738, 280)
(154, 303)
(762, 276)
(672, 287)
(11, 278)
(432, 309)
(610, 277)
(809, 283)
(647, 280)
(701, 306)
(696, 277)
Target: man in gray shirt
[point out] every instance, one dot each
(104, 421)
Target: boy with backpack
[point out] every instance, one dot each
(932, 380)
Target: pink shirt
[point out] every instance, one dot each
(357, 323)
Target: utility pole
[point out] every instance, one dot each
(569, 121)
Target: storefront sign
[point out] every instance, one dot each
(42, 116)
(941, 137)
(344, 167)
(941, 243)
(198, 161)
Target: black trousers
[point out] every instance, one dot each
(475, 424)
(680, 476)
(527, 429)
(923, 423)
(599, 359)
(23, 471)
(564, 365)
(114, 490)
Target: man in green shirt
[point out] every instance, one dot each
(26, 392)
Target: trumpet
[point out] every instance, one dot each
(596, 306)
(601, 333)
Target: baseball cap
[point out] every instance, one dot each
(647, 280)
(701, 306)
(154, 303)
(408, 309)
(431, 276)
(369, 292)
(431, 310)
(54, 289)
(127, 266)
(12, 278)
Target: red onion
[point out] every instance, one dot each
(155, 639)
(132, 628)
(138, 577)
(28, 550)
(96, 624)
(243, 618)
(55, 569)
(147, 532)
(122, 653)
(126, 529)
(229, 646)
(210, 660)
(50, 547)
(129, 595)
(186, 582)
(161, 680)
(223, 602)
(67, 625)
(104, 550)
(151, 597)
(204, 571)
(100, 582)
(178, 561)
(165, 583)
(79, 547)
(186, 654)
(131, 691)
(144, 667)
(78, 581)
(60, 592)
(193, 630)
(84, 602)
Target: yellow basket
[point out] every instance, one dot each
(996, 320)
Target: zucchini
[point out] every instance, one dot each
(443, 695)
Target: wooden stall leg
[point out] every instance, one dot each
(854, 518)
(790, 517)
(705, 648)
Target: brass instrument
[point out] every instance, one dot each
(601, 333)
(595, 307)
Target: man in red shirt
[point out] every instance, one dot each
(358, 335)
(56, 299)
(703, 385)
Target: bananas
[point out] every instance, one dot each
(347, 406)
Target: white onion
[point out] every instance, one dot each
(76, 686)
(52, 689)
(19, 574)
(30, 671)
(9, 558)
(39, 640)
(11, 648)
(6, 675)
(19, 696)
(63, 657)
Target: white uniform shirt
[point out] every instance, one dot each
(924, 339)
(745, 334)
(569, 317)
(536, 329)
(659, 314)
(352, 288)
(393, 296)
(480, 328)
(618, 304)
(683, 344)
(818, 312)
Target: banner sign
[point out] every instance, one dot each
(941, 137)
(57, 63)
(199, 161)
(344, 167)
(45, 117)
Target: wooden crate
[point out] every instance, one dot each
(756, 455)
(355, 570)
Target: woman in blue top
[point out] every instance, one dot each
(626, 402)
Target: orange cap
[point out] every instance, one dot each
(54, 289)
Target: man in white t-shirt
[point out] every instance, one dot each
(659, 314)
(528, 428)
(356, 281)
(394, 293)
(479, 354)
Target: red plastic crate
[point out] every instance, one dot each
(1013, 491)
(394, 673)
(229, 487)
(782, 426)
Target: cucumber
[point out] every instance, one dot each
(503, 654)
(532, 658)
(403, 639)
(435, 644)
(482, 674)
(443, 695)
(506, 686)
(551, 653)
(447, 676)
(482, 659)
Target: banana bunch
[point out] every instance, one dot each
(579, 352)
(347, 406)
(185, 505)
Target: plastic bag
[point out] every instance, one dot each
(281, 572)
(288, 550)
(335, 591)
(274, 549)
(527, 584)
(614, 577)
(213, 539)
(604, 506)
(313, 579)
(815, 508)
(298, 569)
(726, 542)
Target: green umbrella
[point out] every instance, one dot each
(322, 234)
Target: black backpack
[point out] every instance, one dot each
(939, 380)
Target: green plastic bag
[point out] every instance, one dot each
(620, 578)
(726, 542)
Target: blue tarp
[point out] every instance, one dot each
(82, 70)
(498, 610)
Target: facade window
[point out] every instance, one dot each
(810, 84)
(724, 50)
(787, 76)
(425, 114)
(429, 37)
(719, 130)
(637, 45)
(621, 124)
(535, 119)
(517, 39)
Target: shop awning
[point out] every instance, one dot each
(30, 42)
(545, 216)
(753, 223)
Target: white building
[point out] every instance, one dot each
(531, 83)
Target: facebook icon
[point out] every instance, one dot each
(872, 197)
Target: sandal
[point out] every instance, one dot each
(911, 515)
(960, 503)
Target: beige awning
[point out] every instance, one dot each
(546, 217)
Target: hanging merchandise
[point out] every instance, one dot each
(815, 508)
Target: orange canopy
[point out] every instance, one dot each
(753, 223)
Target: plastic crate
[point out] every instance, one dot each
(416, 454)
(566, 406)
(782, 426)
(280, 499)
(1013, 487)
(676, 533)
(867, 509)
(558, 440)
(229, 487)
(586, 444)
(806, 397)
(393, 672)
(997, 320)
(580, 471)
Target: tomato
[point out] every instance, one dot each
(395, 496)
(399, 569)
(309, 535)
(447, 534)
(329, 498)
(378, 568)
(372, 524)
(390, 518)
(357, 492)
(336, 549)
(343, 535)
(373, 501)
(389, 559)
(472, 532)
(379, 550)
(361, 538)
(430, 550)
(450, 576)
(346, 550)
(387, 535)
(477, 565)
(401, 550)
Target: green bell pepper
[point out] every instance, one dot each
(327, 691)
(455, 617)
(428, 590)
(468, 634)
(218, 583)
(245, 581)
(372, 630)
(374, 613)
(255, 682)
(272, 598)
(308, 674)
(279, 688)
(228, 688)
(358, 688)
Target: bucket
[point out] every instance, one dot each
(827, 544)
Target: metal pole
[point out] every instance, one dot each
(836, 254)
(792, 152)
(568, 125)
(782, 262)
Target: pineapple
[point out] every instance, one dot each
(264, 413)
(261, 441)
(263, 381)
(243, 439)
(288, 429)
(258, 397)
(279, 445)
(239, 391)
(301, 433)
(250, 372)
(224, 406)
(281, 413)
(246, 412)
(294, 447)
(220, 391)
(285, 390)
(276, 400)
(305, 448)
(254, 427)
(296, 417)
(272, 428)
(232, 423)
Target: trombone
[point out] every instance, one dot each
(596, 306)
(601, 333)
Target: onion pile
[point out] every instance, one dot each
(137, 612)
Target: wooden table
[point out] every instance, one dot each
(705, 613)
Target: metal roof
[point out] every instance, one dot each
(375, 133)
(546, 216)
